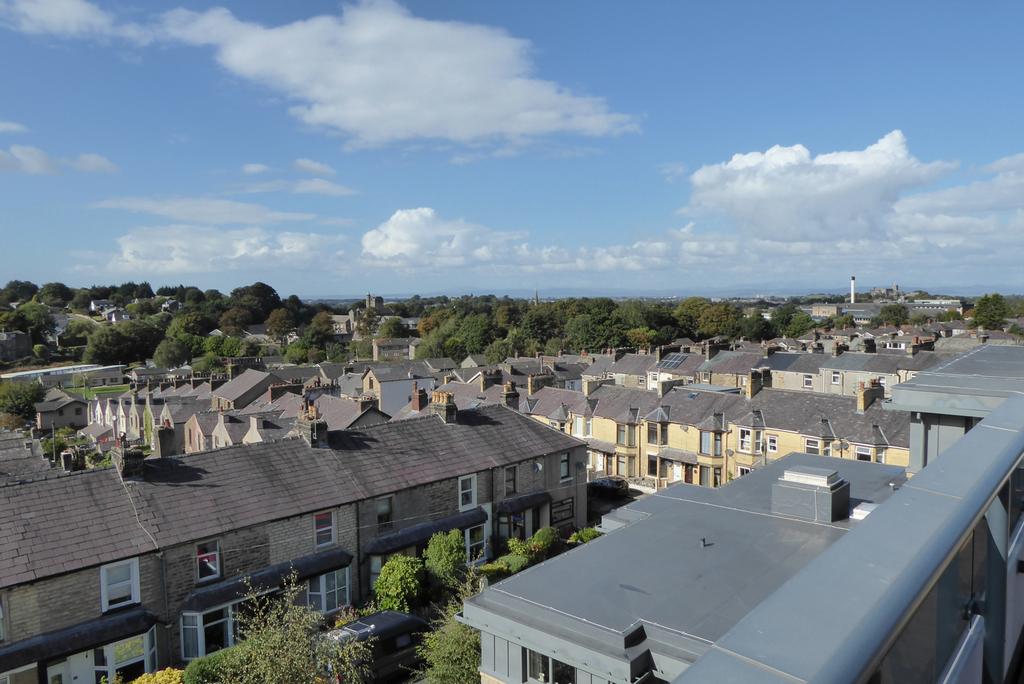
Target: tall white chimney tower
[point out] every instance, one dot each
(853, 289)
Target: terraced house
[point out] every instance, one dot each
(842, 373)
(144, 565)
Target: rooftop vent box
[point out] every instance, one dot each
(862, 510)
(814, 494)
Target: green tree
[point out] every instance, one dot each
(951, 315)
(235, 320)
(919, 319)
(756, 327)
(990, 312)
(297, 352)
(688, 315)
(641, 337)
(76, 332)
(393, 327)
(894, 314)
(55, 294)
(18, 291)
(80, 301)
(188, 324)
(799, 323)
(781, 315)
(320, 331)
(451, 650)
(206, 364)
(284, 642)
(259, 299)
(476, 332)
(399, 584)
(843, 322)
(171, 354)
(445, 559)
(279, 324)
(106, 345)
(720, 318)
(20, 398)
(582, 333)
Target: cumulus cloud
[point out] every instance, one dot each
(418, 237)
(786, 192)
(204, 210)
(378, 74)
(319, 186)
(92, 163)
(254, 169)
(175, 249)
(26, 159)
(312, 167)
(68, 18)
(12, 127)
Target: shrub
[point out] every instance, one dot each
(514, 562)
(209, 669)
(494, 571)
(545, 539)
(400, 583)
(445, 558)
(519, 547)
(168, 676)
(584, 535)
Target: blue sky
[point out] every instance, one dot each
(427, 147)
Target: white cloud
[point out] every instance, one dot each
(68, 18)
(420, 238)
(378, 74)
(313, 167)
(26, 159)
(672, 171)
(319, 186)
(254, 169)
(204, 210)
(785, 192)
(186, 249)
(92, 163)
(12, 127)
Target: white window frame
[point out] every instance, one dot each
(148, 657)
(817, 446)
(746, 442)
(742, 470)
(317, 529)
(860, 450)
(317, 586)
(588, 426)
(133, 565)
(3, 626)
(475, 549)
(808, 381)
(463, 504)
(200, 628)
(217, 554)
(837, 377)
(880, 455)
(773, 443)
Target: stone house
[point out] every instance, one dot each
(61, 409)
(146, 564)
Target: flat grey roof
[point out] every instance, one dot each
(973, 384)
(654, 572)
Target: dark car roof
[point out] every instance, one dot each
(386, 624)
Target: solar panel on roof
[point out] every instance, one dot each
(672, 360)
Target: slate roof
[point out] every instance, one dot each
(237, 387)
(733, 362)
(680, 363)
(621, 404)
(402, 370)
(252, 484)
(339, 412)
(794, 410)
(440, 364)
(599, 367)
(17, 459)
(633, 364)
(296, 373)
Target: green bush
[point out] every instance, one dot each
(209, 669)
(545, 539)
(400, 583)
(445, 558)
(584, 535)
(494, 571)
(514, 562)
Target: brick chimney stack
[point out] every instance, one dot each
(867, 394)
(443, 404)
(419, 397)
(310, 426)
(510, 396)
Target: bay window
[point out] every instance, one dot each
(210, 631)
(746, 440)
(329, 592)
(126, 660)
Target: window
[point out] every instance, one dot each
(564, 472)
(384, 514)
(742, 470)
(474, 543)
(577, 426)
(119, 584)
(510, 480)
(705, 476)
(208, 560)
(717, 477)
(329, 592)
(705, 442)
(863, 453)
(836, 377)
(808, 382)
(652, 465)
(127, 659)
(541, 668)
(663, 434)
(625, 435)
(323, 528)
(561, 511)
(746, 440)
(205, 633)
(652, 433)
(881, 380)
(826, 447)
(773, 444)
(880, 455)
(812, 446)
(587, 427)
(467, 492)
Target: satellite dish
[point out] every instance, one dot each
(538, 466)
(729, 452)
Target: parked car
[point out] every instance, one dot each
(613, 485)
(395, 635)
